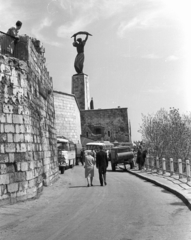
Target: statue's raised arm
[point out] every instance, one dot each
(79, 44)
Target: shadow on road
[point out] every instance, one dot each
(84, 186)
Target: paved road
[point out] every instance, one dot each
(128, 208)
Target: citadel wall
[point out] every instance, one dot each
(28, 151)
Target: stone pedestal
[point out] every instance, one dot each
(80, 88)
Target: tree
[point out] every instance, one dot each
(167, 133)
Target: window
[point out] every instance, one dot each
(108, 133)
(97, 130)
(87, 134)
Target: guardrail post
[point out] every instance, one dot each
(171, 166)
(147, 162)
(157, 163)
(180, 168)
(152, 163)
(163, 165)
(188, 170)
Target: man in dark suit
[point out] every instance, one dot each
(102, 164)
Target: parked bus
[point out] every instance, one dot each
(107, 146)
(66, 154)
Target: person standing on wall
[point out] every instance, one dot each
(11, 39)
(102, 164)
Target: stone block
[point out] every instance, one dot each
(3, 189)
(11, 157)
(31, 165)
(24, 166)
(23, 186)
(11, 177)
(4, 158)
(13, 187)
(19, 128)
(2, 148)
(20, 176)
(29, 175)
(4, 179)
(3, 138)
(32, 183)
(21, 147)
(21, 193)
(17, 119)
(2, 130)
(3, 168)
(9, 128)
(10, 168)
(10, 137)
(18, 137)
(10, 147)
(9, 118)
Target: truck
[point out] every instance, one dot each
(122, 155)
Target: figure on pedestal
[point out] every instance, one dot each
(79, 44)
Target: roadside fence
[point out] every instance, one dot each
(180, 168)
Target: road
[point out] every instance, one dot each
(128, 208)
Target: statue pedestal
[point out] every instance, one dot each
(80, 88)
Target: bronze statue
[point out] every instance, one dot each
(79, 44)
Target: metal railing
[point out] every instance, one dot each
(8, 45)
(175, 167)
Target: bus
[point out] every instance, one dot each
(107, 146)
(66, 154)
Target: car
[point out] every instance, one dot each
(122, 155)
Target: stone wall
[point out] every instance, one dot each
(28, 151)
(105, 124)
(68, 123)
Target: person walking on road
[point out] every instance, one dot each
(89, 167)
(102, 164)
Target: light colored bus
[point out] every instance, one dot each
(95, 145)
(107, 146)
(66, 154)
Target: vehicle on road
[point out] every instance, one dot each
(122, 155)
(107, 146)
(66, 154)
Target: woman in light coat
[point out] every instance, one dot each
(89, 167)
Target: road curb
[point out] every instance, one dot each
(166, 187)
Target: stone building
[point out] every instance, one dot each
(99, 124)
(28, 150)
(68, 122)
(105, 124)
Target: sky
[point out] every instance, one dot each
(139, 56)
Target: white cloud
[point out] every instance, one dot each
(80, 24)
(151, 56)
(37, 32)
(171, 58)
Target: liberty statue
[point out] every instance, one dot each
(79, 44)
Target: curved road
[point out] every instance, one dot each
(128, 208)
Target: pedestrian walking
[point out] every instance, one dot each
(143, 157)
(82, 155)
(139, 157)
(89, 167)
(102, 164)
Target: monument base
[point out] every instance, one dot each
(80, 88)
